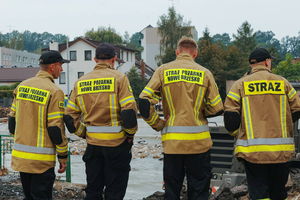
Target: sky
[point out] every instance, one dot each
(74, 17)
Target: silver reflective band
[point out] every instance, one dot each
(32, 149)
(103, 129)
(265, 141)
(185, 129)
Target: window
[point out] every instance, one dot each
(62, 78)
(88, 55)
(80, 74)
(73, 56)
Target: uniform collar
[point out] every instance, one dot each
(184, 56)
(102, 65)
(44, 74)
(259, 68)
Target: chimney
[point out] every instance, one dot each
(53, 46)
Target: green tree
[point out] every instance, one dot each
(288, 69)
(104, 34)
(136, 81)
(171, 28)
(135, 43)
(223, 39)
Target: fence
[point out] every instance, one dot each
(6, 144)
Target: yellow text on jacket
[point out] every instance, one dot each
(264, 87)
(96, 85)
(33, 94)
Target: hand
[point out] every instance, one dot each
(62, 165)
(130, 140)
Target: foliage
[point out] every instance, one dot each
(104, 34)
(171, 28)
(224, 39)
(136, 82)
(288, 69)
(135, 43)
(7, 90)
(291, 45)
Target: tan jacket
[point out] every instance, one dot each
(189, 94)
(265, 102)
(38, 104)
(95, 105)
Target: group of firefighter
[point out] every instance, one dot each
(259, 111)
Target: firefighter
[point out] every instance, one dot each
(189, 96)
(102, 109)
(36, 120)
(260, 109)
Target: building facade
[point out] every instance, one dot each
(17, 58)
(151, 44)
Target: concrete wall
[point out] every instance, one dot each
(12, 57)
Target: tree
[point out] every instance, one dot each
(136, 82)
(104, 34)
(245, 38)
(291, 45)
(135, 43)
(223, 39)
(171, 28)
(288, 69)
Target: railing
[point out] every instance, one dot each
(6, 144)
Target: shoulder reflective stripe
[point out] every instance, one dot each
(215, 101)
(106, 136)
(103, 129)
(265, 141)
(72, 105)
(55, 115)
(61, 149)
(170, 104)
(283, 115)
(198, 104)
(185, 129)
(113, 110)
(32, 149)
(234, 96)
(292, 93)
(153, 119)
(126, 100)
(264, 148)
(33, 156)
(40, 131)
(247, 118)
(185, 136)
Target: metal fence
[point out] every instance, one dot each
(6, 145)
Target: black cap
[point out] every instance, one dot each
(50, 57)
(105, 51)
(258, 55)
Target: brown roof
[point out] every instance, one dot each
(17, 74)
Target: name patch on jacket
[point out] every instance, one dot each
(185, 75)
(96, 85)
(264, 87)
(33, 94)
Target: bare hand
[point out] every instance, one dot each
(62, 165)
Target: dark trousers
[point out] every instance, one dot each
(107, 170)
(38, 186)
(196, 167)
(267, 180)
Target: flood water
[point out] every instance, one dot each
(146, 175)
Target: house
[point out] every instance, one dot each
(81, 52)
(10, 76)
(151, 44)
(17, 58)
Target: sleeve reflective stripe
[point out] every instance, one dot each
(72, 105)
(292, 93)
(215, 101)
(61, 149)
(55, 115)
(234, 96)
(126, 100)
(151, 93)
(234, 133)
(130, 131)
(153, 119)
(13, 107)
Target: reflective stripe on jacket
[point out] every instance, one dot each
(96, 103)
(38, 104)
(189, 94)
(265, 102)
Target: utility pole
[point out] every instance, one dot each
(68, 70)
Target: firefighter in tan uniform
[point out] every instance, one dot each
(189, 96)
(102, 109)
(259, 110)
(36, 120)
